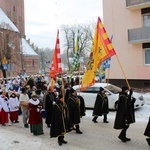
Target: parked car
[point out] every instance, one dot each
(111, 91)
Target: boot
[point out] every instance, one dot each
(78, 129)
(122, 136)
(63, 141)
(94, 119)
(26, 126)
(105, 118)
(127, 139)
(148, 141)
(60, 140)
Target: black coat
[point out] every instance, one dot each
(60, 120)
(82, 106)
(125, 111)
(147, 130)
(101, 105)
(67, 93)
(49, 99)
(73, 104)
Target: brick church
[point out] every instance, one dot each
(15, 51)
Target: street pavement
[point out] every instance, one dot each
(96, 136)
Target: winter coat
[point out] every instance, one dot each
(101, 105)
(147, 130)
(35, 116)
(60, 120)
(125, 111)
(73, 104)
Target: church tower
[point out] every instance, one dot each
(14, 9)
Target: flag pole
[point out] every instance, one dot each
(79, 79)
(108, 74)
(62, 87)
(123, 71)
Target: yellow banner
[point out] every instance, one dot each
(101, 50)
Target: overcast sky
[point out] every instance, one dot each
(44, 17)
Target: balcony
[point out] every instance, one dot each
(137, 4)
(139, 35)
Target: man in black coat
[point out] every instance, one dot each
(60, 121)
(73, 103)
(101, 106)
(50, 98)
(147, 132)
(125, 113)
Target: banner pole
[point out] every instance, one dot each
(123, 72)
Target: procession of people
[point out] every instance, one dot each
(59, 107)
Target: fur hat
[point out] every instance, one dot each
(101, 89)
(124, 88)
(28, 86)
(60, 96)
(33, 95)
(72, 90)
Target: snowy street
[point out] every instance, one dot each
(95, 136)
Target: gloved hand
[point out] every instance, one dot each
(130, 92)
(38, 109)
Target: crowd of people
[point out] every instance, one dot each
(60, 106)
(35, 99)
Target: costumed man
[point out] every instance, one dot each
(48, 101)
(125, 113)
(147, 132)
(73, 104)
(35, 116)
(60, 120)
(101, 106)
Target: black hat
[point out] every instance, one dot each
(60, 96)
(72, 90)
(101, 89)
(124, 88)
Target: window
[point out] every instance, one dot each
(13, 8)
(147, 56)
(146, 20)
(33, 62)
(146, 16)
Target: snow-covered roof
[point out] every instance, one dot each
(27, 49)
(6, 23)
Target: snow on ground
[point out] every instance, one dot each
(18, 137)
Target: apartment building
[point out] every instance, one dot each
(129, 23)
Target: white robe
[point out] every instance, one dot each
(14, 104)
(4, 104)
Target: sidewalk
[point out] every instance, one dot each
(96, 136)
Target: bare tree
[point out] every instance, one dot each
(85, 35)
(45, 58)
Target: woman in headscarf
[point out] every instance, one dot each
(35, 116)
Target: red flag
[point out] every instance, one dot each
(55, 67)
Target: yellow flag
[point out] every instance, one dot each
(102, 49)
(89, 76)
